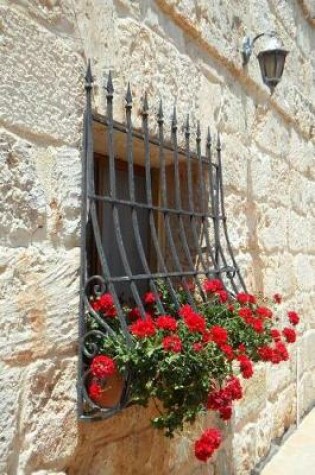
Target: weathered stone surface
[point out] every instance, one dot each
(43, 95)
(244, 450)
(254, 400)
(272, 227)
(23, 204)
(10, 407)
(284, 411)
(48, 427)
(41, 312)
(277, 379)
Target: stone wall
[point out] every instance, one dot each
(186, 51)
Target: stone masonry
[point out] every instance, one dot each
(185, 51)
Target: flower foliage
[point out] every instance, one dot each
(190, 359)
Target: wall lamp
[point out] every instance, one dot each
(271, 59)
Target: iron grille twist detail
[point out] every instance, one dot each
(193, 222)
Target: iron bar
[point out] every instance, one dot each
(133, 197)
(115, 212)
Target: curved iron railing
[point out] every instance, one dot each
(188, 220)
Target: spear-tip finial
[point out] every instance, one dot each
(209, 138)
(128, 96)
(174, 118)
(109, 86)
(145, 104)
(88, 75)
(218, 141)
(187, 125)
(160, 114)
(198, 132)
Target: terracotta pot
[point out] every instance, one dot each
(111, 391)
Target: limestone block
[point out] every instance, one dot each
(41, 314)
(284, 411)
(235, 164)
(237, 221)
(272, 227)
(23, 203)
(138, 456)
(263, 432)
(300, 193)
(301, 154)
(280, 182)
(65, 203)
(308, 345)
(43, 95)
(254, 400)
(278, 274)
(306, 392)
(56, 13)
(244, 450)
(259, 174)
(268, 135)
(277, 379)
(229, 114)
(304, 269)
(10, 380)
(48, 425)
(298, 242)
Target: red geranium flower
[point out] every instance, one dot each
(263, 312)
(209, 441)
(95, 391)
(212, 285)
(149, 298)
(246, 366)
(241, 348)
(294, 318)
(185, 310)
(280, 353)
(166, 322)
(228, 351)
(207, 337)
(143, 328)
(225, 413)
(289, 334)
(103, 367)
(277, 298)
(234, 388)
(172, 343)
(243, 298)
(105, 304)
(222, 295)
(246, 314)
(194, 321)
(219, 335)
(275, 334)
(265, 353)
(257, 325)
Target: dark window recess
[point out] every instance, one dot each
(151, 210)
(106, 220)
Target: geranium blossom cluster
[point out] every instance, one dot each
(193, 357)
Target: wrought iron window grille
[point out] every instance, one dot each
(183, 219)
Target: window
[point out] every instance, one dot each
(152, 209)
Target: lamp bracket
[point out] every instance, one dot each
(248, 45)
